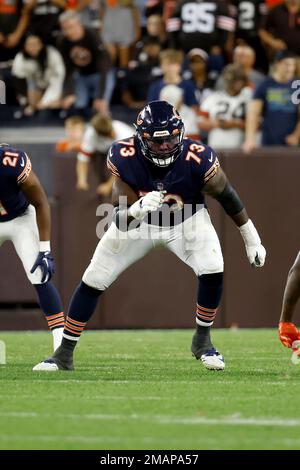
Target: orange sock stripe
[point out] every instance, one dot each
(75, 328)
(199, 312)
(70, 330)
(56, 315)
(206, 309)
(67, 325)
(205, 317)
(76, 323)
(203, 312)
(66, 330)
(56, 319)
(56, 322)
(212, 314)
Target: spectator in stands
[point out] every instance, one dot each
(223, 112)
(74, 129)
(121, 28)
(201, 24)
(154, 7)
(198, 73)
(250, 16)
(141, 5)
(156, 29)
(164, 8)
(14, 19)
(44, 18)
(174, 95)
(245, 56)
(171, 64)
(98, 137)
(281, 30)
(87, 65)
(273, 3)
(43, 69)
(273, 104)
(140, 74)
(83, 9)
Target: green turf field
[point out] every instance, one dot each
(143, 390)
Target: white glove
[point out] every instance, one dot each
(255, 251)
(149, 203)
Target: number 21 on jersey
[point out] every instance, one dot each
(10, 159)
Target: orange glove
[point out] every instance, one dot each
(288, 333)
(62, 146)
(67, 146)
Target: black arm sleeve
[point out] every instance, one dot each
(230, 200)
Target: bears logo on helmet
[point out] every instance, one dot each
(160, 132)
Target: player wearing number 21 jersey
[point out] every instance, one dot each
(162, 178)
(25, 220)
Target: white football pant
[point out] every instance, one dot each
(24, 234)
(194, 241)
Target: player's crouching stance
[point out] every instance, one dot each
(159, 166)
(25, 220)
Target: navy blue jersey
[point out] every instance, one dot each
(280, 115)
(250, 15)
(183, 180)
(15, 167)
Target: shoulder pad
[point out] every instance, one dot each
(16, 162)
(119, 153)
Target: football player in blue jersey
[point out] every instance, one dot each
(25, 220)
(154, 170)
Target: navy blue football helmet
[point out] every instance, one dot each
(160, 131)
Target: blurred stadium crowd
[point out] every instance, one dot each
(229, 66)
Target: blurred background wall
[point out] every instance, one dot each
(160, 291)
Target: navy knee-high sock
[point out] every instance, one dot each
(51, 304)
(82, 307)
(209, 296)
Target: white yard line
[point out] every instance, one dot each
(106, 381)
(278, 422)
(84, 439)
(160, 419)
(95, 397)
(103, 441)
